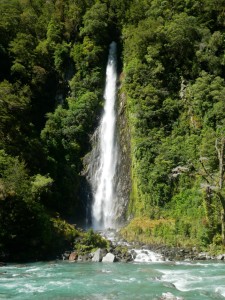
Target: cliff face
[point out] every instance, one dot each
(124, 161)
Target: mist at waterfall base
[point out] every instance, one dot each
(104, 160)
(117, 281)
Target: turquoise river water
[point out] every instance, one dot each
(161, 280)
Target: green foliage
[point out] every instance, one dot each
(21, 49)
(89, 242)
(54, 32)
(40, 184)
(65, 137)
(14, 179)
(150, 231)
(61, 56)
(96, 23)
(174, 83)
(9, 11)
(86, 54)
(45, 120)
(63, 232)
(19, 205)
(25, 226)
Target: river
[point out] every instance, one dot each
(156, 280)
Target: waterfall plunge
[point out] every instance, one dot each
(103, 213)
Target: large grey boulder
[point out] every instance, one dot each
(109, 258)
(98, 255)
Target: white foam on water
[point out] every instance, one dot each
(106, 271)
(33, 270)
(170, 296)
(220, 290)
(182, 280)
(60, 283)
(216, 278)
(29, 288)
(145, 255)
(125, 280)
(12, 285)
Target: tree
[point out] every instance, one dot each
(21, 48)
(14, 107)
(214, 187)
(220, 148)
(96, 23)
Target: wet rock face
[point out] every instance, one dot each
(124, 159)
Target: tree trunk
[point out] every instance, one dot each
(220, 151)
(223, 226)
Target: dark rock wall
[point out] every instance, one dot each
(124, 159)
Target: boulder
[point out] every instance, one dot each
(84, 258)
(66, 255)
(133, 254)
(127, 257)
(220, 257)
(73, 256)
(109, 258)
(98, 255)
(203, 256)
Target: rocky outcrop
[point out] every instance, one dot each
(114, 254)
(121, 251)
(124, 160)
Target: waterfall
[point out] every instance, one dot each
(103, 181)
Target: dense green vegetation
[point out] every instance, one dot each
(53, 56)
(89, 242)
(174, 82)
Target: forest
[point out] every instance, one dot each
(53, 56)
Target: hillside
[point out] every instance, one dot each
(53, 57)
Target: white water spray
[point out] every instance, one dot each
(103, 213)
